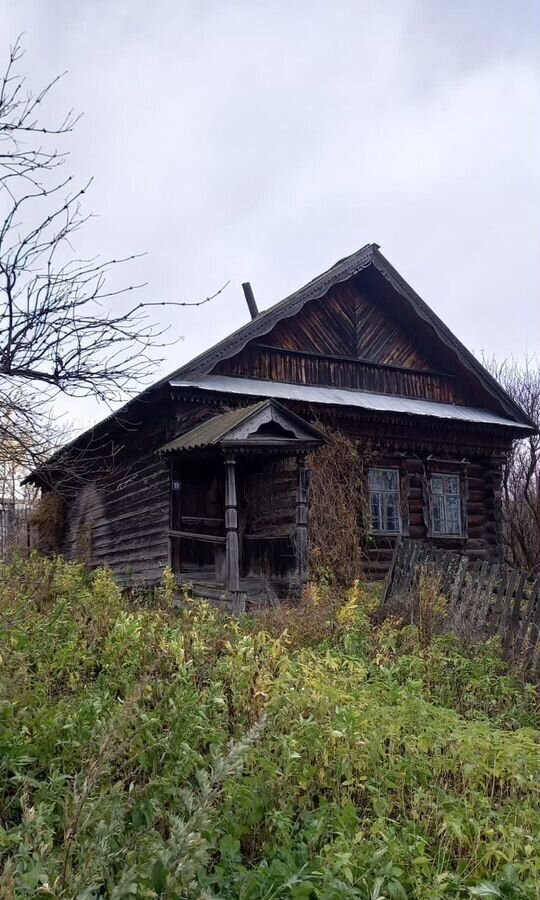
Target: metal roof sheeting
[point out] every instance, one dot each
(223, 429)
(307, 393)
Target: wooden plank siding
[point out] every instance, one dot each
(344, 339)
(347, 323)
(298, 367)
(122, 520)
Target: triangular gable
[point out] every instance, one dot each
(346, 322)
(266, 422)
(412, 304)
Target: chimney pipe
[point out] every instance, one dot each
(250, 300)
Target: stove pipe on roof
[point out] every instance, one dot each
(250, 300)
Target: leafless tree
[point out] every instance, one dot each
(62, 327)
(521, 478)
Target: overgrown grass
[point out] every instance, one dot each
(146, 752)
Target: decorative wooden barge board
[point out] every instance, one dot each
(205, 469)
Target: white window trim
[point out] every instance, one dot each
(398, 492)
(459, 495)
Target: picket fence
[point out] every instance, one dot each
(488, 598)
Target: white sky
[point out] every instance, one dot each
(261, 142)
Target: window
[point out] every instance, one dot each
(383, 485)
(446, 504)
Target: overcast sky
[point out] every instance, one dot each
(263, 141)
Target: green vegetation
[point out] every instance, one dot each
(146, 752)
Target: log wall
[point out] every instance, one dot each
(123, 517)
(480, 480)
(118, 513)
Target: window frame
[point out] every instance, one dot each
(397, 471)
(445, 494)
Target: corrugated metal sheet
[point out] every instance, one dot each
(213, 430)
(223, 428)
(305, 393)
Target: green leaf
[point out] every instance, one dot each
(158, 876)
(486, 889)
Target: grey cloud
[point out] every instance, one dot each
(260, 141)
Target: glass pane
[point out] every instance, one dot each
(452, 484)
(452, 515)
(437, 485)
(383, 480)
(376, 521)
(438, 514)
(391, 521)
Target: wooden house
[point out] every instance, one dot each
(205, 470)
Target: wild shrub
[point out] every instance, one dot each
(425, 606)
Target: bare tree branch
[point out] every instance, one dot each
(521, 475)
(63, 325)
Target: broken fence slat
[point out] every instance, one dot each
(487, 596)
(494, 616)
(523, 636)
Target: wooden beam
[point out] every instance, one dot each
(302, 565)
(352, 359)
(232, 565)
(197, 536)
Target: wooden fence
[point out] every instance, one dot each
(486, 598)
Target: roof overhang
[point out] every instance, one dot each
(331, 396)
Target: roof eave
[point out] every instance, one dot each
(397, 281)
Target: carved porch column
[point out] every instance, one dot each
(302, 565)
(232, 568)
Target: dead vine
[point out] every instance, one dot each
(338, 508)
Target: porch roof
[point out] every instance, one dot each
(241, 427)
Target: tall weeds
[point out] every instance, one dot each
(315, 753)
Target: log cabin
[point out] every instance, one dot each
(205, 471)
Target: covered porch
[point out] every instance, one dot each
(239, 505)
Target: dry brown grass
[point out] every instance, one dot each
(306, 624)
(426, 607)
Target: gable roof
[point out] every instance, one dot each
(226, 428)
(348, 267)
